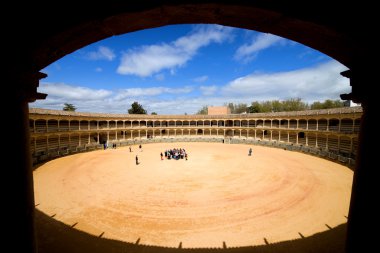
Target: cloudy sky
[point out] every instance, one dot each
(179, 69)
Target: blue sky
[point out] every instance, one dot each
(178, 69)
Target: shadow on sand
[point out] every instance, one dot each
(56, 237)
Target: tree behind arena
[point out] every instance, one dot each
(136, 108)
(69, 107)
(327, 104)
(203, 111)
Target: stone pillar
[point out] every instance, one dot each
(18, 197)
(316, 139)
(363, 205)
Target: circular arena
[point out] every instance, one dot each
(220, 196)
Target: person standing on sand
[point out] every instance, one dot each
(130, 149)
(162, 156)
(137, 160)
(250, 151)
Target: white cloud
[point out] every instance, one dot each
(70, 92)
(201, 79)
(320, 82)
(98, 69)
(160, 77)
(103, 53)
(152, 91)
(316, 83)
(208, 90)
(247, 52)
(147, 60)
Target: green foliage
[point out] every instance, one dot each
(292, 104)
(154, 113)
(136, 108)
(327, 104)
(203, 111)
(69, 107)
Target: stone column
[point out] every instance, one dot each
(18, 199)
(363, 206)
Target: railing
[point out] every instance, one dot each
(42, 156)
(343, 110)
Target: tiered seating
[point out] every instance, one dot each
(40, 126)
(64, 141)
(312, 124)
(41, 145)
(112, 124)
(333, 143)
(275, 135)
(334, 125)
(53, 142)
(284, 123)
(322, 125)
(345, 145)
(346, 125)
(83, 139)
(284, 137)
(64, 125)
(52, 126)
(311, 140)
(74, 142)
(112, 135)
(357, 126)
(293, 123)
(74, 125)
(135, 123)
(301, 138)
(275, 123)
(322, 140)
(93, 125)
(293, 137)
(259, 123)
(83, 125)
(302, 124)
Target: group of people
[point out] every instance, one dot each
(105, 145)
(175, 153)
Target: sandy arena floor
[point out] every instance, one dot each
(219, 195)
